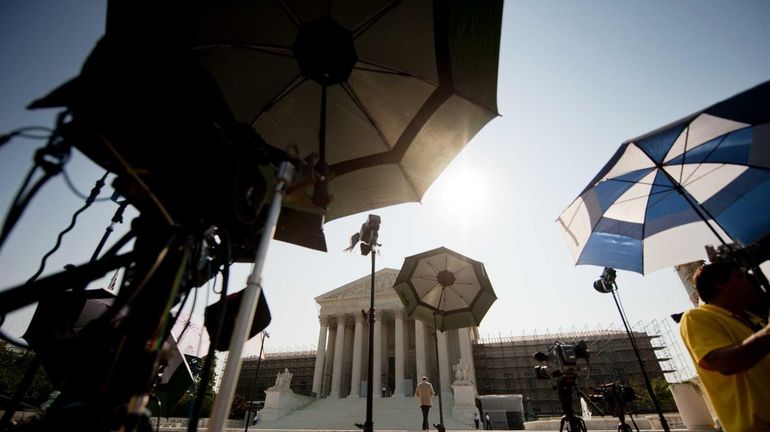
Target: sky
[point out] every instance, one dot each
(576, 79)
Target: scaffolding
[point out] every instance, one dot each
(679, 367)
(505, 364)
(300, 361)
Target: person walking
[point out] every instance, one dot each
(424, 394)
(476, 419)
(487, 422)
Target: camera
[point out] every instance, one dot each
(613, 396)
(561, 359)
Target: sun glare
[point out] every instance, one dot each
(461, 195)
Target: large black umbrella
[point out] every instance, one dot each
(446, 290)
(386, 93)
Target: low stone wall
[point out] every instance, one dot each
(643, 421)
(178, 423)
(278, 403)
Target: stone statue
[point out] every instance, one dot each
(462, 369)
(283, 380)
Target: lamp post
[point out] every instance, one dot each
(368, 236)
(607, 284)
(265, 335)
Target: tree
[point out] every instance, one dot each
(184, 407)
(643, 402)
(239, 407)
(13, 366)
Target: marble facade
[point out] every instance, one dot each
(404, 349)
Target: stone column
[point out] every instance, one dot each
(358, 336)
(399, 344)
(377, 356)
(466, 351)
(330, 342)
(339, 346)
(384, 333)
(444, 366)
(419, 349)
(685, 272)
(320, 355)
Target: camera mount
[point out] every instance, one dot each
(615, 395)
(562, 368)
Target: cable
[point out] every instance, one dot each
(20, 203)
(214, 285)
(89, 200)
(74, 190)
(170, 327)
(162, 330)
(127, 237)
(51, 160)
(135, 176)
(26, 132)
(189, 317)
(121, 301)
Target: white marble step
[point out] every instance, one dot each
(400, 413)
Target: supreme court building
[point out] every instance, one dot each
(404, 349)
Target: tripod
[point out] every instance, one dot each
(574, 423)
(622, 425)
(615, 399)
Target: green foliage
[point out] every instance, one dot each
(184, 407)
(13, 366)
(643, 402)
(239, 407)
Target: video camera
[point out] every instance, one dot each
(561, 359)
(613, 396)
(748, 258)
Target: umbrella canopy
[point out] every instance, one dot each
(663, 196)
(443, 282)
(385, 92)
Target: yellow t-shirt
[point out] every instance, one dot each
(741, 400)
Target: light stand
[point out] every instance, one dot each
(440, 425)
(607, 284)
(445, 279)
(368, 237)
(221, 410)
(265, 335)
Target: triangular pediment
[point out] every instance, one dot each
(383, 285)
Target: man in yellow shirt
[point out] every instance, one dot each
(730, 347)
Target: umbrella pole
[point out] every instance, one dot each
(245, 317)
(440, 425)
(369, 424)
(699, 209)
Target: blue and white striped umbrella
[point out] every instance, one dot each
(703, 180)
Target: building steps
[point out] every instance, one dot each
(388, 413)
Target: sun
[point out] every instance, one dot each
(461, 194)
